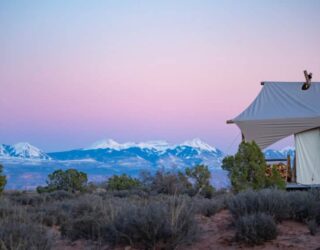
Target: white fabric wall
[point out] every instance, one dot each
(308, 156)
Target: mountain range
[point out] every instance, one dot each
(154, 153)
(27, 167)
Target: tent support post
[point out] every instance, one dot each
(289, 174)
(294, 174)
(242, 138)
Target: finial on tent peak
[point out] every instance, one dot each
(308, 77)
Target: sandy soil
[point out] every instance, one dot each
(217, 233)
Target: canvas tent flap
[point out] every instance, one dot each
(281, 109)
(308, 156)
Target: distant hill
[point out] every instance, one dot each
(22, 150)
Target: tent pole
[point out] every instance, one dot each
(294, 174)
(289, 174)
(242, 138)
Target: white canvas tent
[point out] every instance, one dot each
(282, 109)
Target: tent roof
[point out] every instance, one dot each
(281, 109)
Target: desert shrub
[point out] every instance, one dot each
(195, 181)
(139, 193)
(59, 195)
(52, 214)
(24, 236)
(3, 179)
(207, 191)
(84, 227)
(26, 198)
(269, 201)
(200, 177)
(122, 182)
(10, 210)
(168, 223)
(301, 206)
(142, 222)
(304, 206)
(169, 183)
(88, 217)
(18, 230)
(208, 207)
(255, 228)
(70, 180)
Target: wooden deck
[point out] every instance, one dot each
(297, 186)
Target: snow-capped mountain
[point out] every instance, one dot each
(279, 154)
(112, 144)
(147, 154)
(153, 153)
(198, 144)
(159, 145)
(22, 150)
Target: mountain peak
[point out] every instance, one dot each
(112, 144)
(23, 150)
(23, 145)
(198, 143)
(106, 143)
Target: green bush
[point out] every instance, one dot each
(3, 179)
(275, 180)
(255, 228)
(247, 169)
(70, 180)
(200, 177)
(122, 182)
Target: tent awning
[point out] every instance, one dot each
(280, 110)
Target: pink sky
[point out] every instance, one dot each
(78, 71)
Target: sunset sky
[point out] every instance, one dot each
(73, 72)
